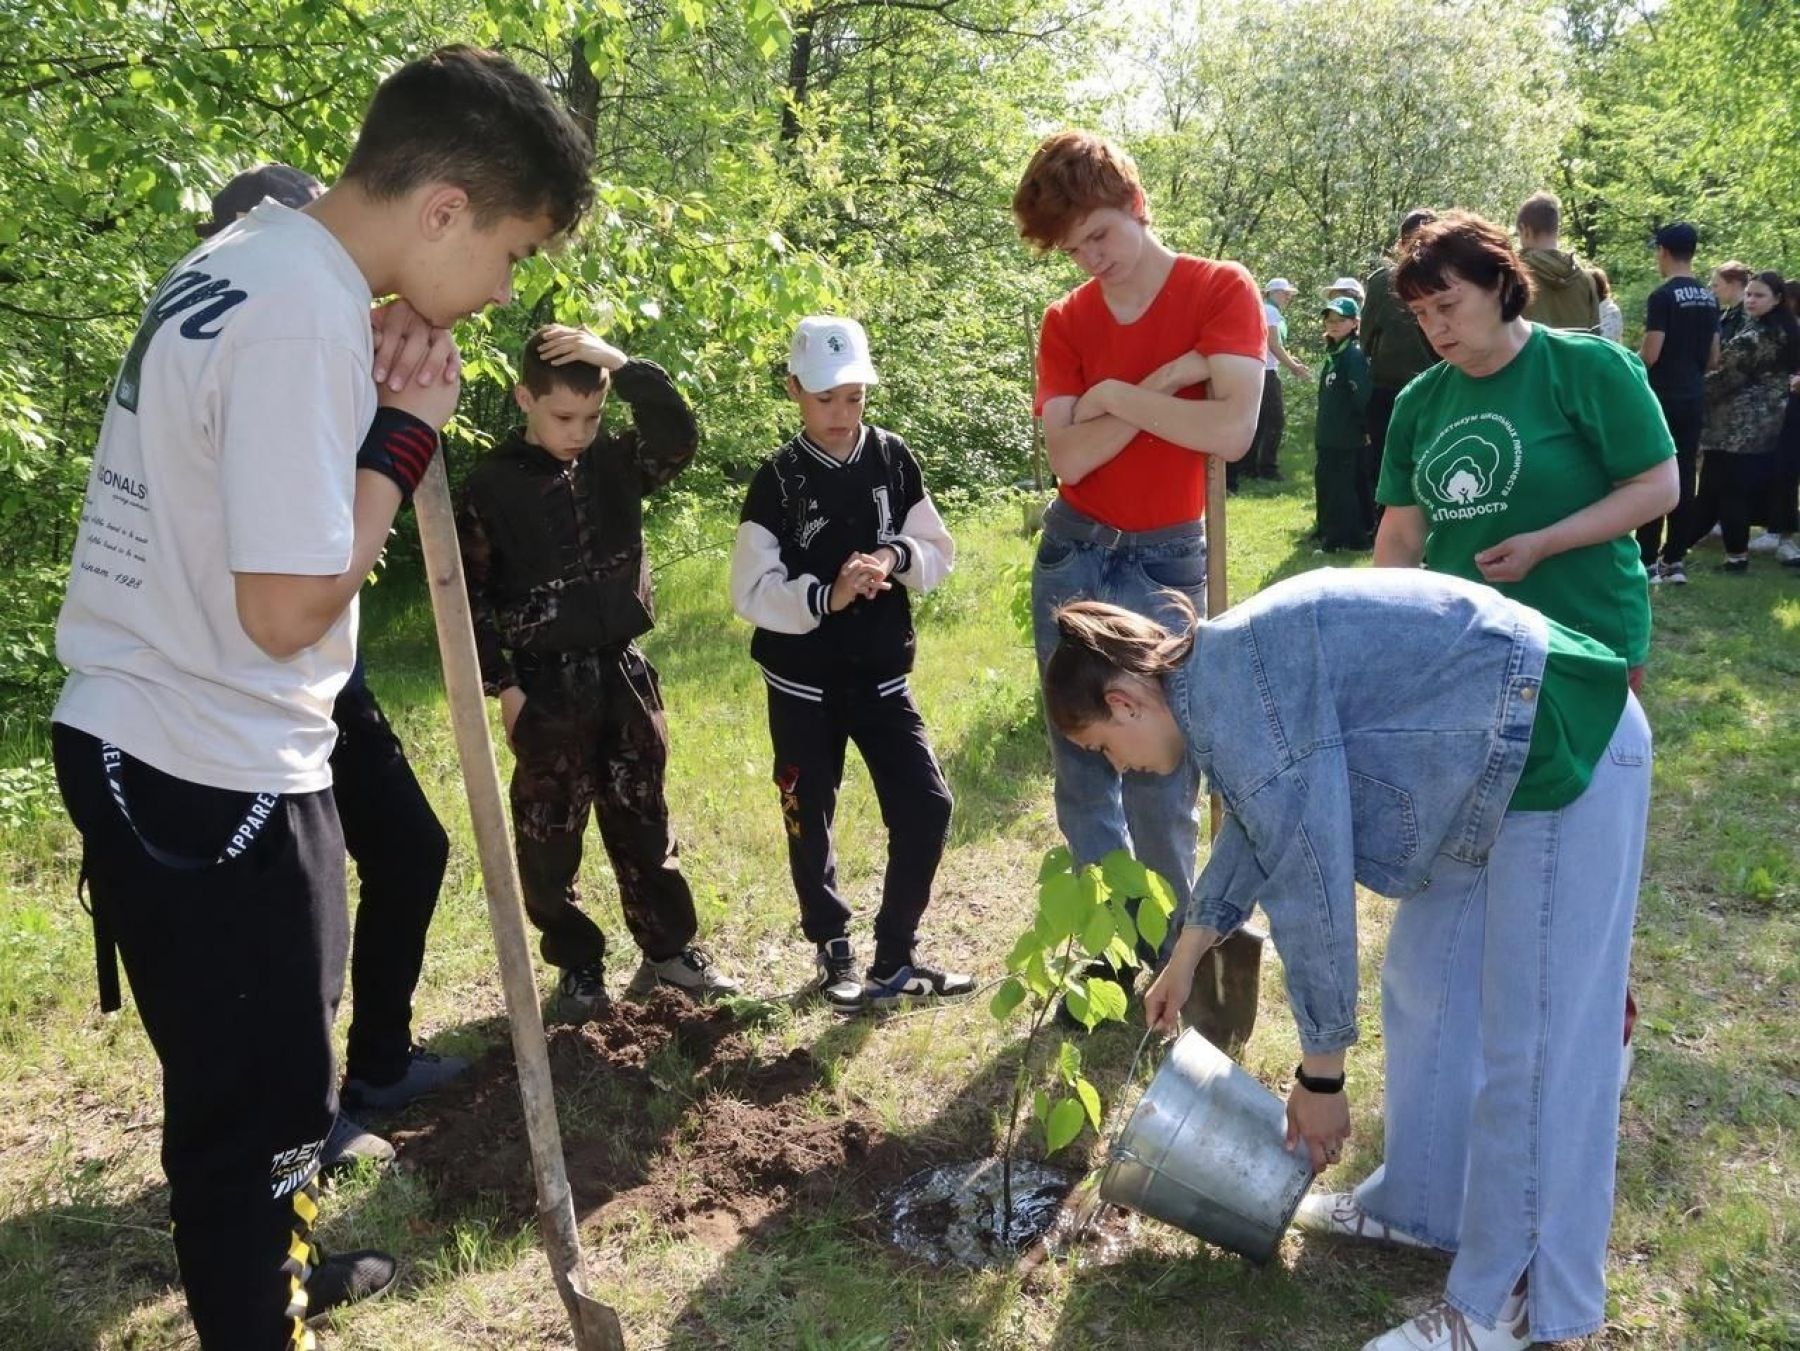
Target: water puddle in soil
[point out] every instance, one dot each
(951, 1213)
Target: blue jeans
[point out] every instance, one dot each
(1099, 810)
(1500, 1001)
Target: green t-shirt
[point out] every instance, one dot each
(1578, 707)
(1548, 434)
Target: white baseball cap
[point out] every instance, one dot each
(1350, 284)
(1280, 284)
(827, 352)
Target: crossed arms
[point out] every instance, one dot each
(1081, 434)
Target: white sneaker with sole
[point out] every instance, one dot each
(1442, 1328)
(1765, 543)
(1337, 1215)
(692, 971)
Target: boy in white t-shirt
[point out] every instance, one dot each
(230, 518)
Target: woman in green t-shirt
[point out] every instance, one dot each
(1527, 459)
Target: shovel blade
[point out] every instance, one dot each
(1222, 1007)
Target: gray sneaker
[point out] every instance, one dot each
(425, 1073)
(349, 1143)
(581, 994)
(692, 971)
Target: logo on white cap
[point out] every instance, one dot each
(828, 351)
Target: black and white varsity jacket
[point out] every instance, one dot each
(804, 515)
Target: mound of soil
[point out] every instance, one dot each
(666, 1109)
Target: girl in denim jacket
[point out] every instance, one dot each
(1436, 742)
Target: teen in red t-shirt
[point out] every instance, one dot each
(1150, 365)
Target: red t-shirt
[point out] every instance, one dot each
(1206, 307)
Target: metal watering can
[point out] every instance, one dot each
(1206, 1152)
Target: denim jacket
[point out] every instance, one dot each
(1359, 725)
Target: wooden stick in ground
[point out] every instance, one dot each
(1216, 599)
(596, 1325)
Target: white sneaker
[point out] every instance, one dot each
(1788, 552)
(1765, 543)
(1442, 1328)
(1337, 1215)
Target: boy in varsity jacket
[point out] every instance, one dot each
(837, 516)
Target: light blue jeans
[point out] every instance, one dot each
(1153, 815)
(1500, 1001)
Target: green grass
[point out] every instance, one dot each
(1706, 1245)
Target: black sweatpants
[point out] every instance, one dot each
(236, 964)
(400, 851)
(1262, 460)
(1730, 486)
(1685, 417)
(592, 738)
(809, 735)
(1368, 474)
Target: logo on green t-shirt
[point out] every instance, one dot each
(1470, 468)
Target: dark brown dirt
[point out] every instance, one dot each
(666, 1110)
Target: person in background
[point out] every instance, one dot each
(1784, 497)
(1264, 459)
(1746, 404)
(1612, 318)
(1397, 352)
(1728, 283)
(1348, 288)
(390, 832)
(1681, 340)
(1563, 294)
(1340, 431)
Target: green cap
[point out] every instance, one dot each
(1343, 307)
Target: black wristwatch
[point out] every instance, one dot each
(1314, 1084)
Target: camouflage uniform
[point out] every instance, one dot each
(559, 586)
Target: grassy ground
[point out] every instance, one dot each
(1706, 1246)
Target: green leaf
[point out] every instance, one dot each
(1124, 874)
(1062, 1125)
(1068, 1058)
(1099, 930)
(1106, 1001)
(1057, 860)
(1040, 1105)
(1090, 1099)
(1062, 906)
(1008, 997)
(1037, 978)
(1075, 1000)
(1029, 945)
(1152, 923)
(1158, 892)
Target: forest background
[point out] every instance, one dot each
(758, 162)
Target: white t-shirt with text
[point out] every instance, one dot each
(229, 445)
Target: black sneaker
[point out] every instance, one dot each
(425, 1073)
(350, 1143)
(348, 1278)
(1673, 574)
(1736, 565)
(913, 980)
(582, 992)
(692, 971)
(1098, 969)
(837, 983)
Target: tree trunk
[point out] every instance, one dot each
(799, 70)
(582, 92)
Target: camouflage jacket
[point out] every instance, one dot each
(553, 552)
(1746, 398)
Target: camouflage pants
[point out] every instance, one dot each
(592, 737)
